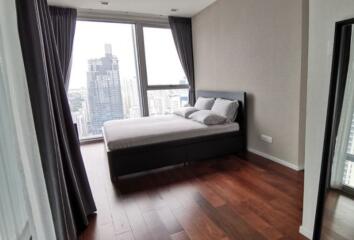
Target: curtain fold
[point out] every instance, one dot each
(68, 188)
(64, 22)
(182, 34)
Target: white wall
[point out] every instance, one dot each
(323, 15)
(259, 47)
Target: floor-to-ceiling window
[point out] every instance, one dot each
(123, 70)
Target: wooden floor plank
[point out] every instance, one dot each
(156, 226)
(214, 199)
(180, 236)
(137, 223)
(124, 236)
(169, 220)
(198, 225)
(234, 197)
(230, 222)
(338, 216)
(106, 232)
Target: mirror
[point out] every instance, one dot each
(335, 208)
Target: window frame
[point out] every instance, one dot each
(139, 22)
(145, 87)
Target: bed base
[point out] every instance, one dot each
(132, 160)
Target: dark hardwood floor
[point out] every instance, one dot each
(245, 197)
(338, 217)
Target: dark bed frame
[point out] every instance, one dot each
(136, 159)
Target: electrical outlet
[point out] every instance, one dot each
(267, 139)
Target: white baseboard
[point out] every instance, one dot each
(306, 232)
(277, 160)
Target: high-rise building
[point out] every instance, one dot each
(78, 105)
(351, 138)
(104, 91)
(166, 101)
(130, 94)
(348, 177)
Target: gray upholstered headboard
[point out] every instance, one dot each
(242, 111)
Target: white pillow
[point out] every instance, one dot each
(225, 108)
(207, 117)
(185, 111)
(204, 103)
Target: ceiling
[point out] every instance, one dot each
(186, 8)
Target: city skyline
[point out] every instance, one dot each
(349, 165)
(108, 96)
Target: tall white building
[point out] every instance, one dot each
(130, 95)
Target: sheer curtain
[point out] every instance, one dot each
(24, 203)
(341, 147)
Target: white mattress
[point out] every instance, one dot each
(120, 134)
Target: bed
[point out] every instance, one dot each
(135, 145)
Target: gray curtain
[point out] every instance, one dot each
(68, 188)
(64, 22)
(182, 34)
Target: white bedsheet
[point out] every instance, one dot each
(120, 134)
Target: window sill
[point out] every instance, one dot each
(91, 140)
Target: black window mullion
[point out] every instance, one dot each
(167, 87)
(140, 53)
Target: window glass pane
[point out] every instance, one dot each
(348, 177)
(166, 101)
(162, 63)
(103, 83)
(350, 148)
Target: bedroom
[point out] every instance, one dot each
(163, 119)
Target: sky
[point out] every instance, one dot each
(163, 66)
